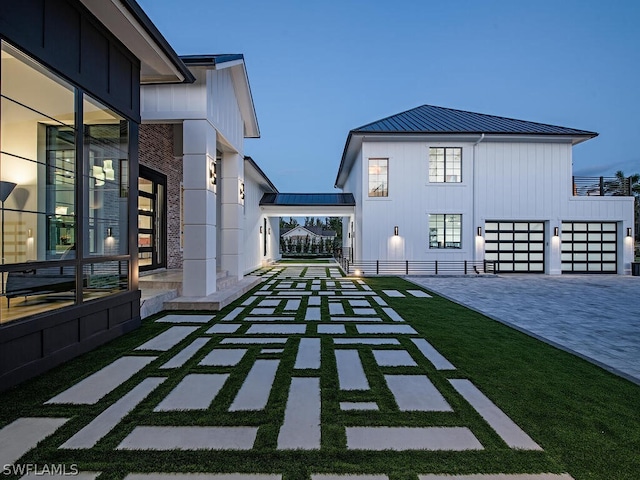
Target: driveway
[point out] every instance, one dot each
(595, 316)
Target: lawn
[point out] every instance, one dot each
(585, 418)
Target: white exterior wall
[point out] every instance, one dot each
(354, 185)
(253, 219)
(500, 181)
(222, 108)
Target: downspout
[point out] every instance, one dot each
(474, 195)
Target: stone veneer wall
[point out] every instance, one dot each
(156, 152)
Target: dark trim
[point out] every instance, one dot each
(259, 170)
(210, 60)
(153, 31)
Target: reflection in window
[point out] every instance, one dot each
(378, 177)
(445, 165)
(107, 143)
(445, 231)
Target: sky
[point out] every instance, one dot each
(318, 69)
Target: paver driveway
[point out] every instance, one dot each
(257, 381)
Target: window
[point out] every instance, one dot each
(445, 231)
(378, 177)
(47, 140)
(445, 165)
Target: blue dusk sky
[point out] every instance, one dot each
(318, 69)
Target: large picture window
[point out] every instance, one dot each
(445, 165)
(378, 177)
(445, 231)
(55, 223)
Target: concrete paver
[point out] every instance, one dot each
(594, 316)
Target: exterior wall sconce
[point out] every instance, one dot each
(260, 228)
(29, 233)
(109, 232)
(555, 231)
(213, 174)
(395, 230)
(241, 190)
(479, 232)
(269, 230)
(628, 231)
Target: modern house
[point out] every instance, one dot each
(315, 234)
(198, 192)
(437, 184)
(71, 75)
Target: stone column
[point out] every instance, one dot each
(232, 222)
(199, 248)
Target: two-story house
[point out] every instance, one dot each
(435, 183)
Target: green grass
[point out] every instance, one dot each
(586, 419)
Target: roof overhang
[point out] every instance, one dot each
(355, 140)
(256, 173)
(240, 79)
(308, 205)
(126, 20)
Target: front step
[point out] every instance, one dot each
(217, 300)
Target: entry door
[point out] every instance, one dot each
(152, 219)
(517, 247)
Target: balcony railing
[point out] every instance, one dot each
(601, 187)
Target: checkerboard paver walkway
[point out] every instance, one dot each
(232, 362)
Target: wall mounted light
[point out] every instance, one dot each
(260, 229)
(269, 230)
(109, 232)
(479, 232)
(395, 230)
(241, 190)
(29, 233)
(628, 231)
(213, 174)
(555, 231)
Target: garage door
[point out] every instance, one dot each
(515, 246)
(589, 247)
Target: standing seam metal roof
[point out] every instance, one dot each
(432, 119)
(308, 199)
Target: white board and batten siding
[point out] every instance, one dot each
(510, 181)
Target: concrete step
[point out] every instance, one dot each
(153, 300)
(215, 301)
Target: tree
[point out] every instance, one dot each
(632, 184)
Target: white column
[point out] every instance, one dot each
(232, 221)
(199, 254)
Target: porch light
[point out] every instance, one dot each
(628, 231)
(269, 230)
(479, 232)
(555, 231)
(260, 228)
(212, 173)
(109, 232)
(29, 233)
(395, 230)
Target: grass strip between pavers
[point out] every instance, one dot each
(585, 418)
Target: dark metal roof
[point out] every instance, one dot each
(309, 199)
(210, 60)
(431, 119)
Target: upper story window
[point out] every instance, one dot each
(445, 231)
(378, 177)
(445, 164)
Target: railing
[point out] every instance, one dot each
(417, 267)
(601, 187)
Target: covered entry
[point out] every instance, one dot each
(312, 205)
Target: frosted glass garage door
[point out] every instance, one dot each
(589, 247)
(516, 247)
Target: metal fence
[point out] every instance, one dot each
(601, 187)
(417, 267)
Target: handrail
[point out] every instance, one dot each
(417, 267)
(602, 187)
